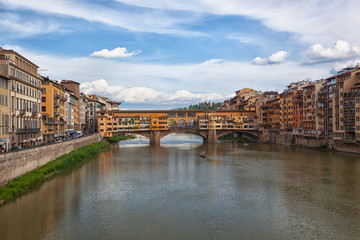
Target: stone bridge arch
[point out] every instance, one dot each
(253, 136)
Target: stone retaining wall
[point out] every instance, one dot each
(290, 139)
(15, 164)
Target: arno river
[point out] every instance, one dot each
(137, 191)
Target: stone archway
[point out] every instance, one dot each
(181, 123)
(191, 123)
(172, 123)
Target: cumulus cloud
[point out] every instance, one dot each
(164, 79)
(340, 50)
(260, 61)
(341, 65)
(276, 58)
(143, 95)
(119, 52)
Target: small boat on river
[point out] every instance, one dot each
(202, 155)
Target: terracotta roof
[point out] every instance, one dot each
(68, 81)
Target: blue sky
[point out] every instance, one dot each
(165, 54)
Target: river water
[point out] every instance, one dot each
(137, 191)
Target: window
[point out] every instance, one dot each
(43, 108)
(43, 99)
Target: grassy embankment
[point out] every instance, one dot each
(231, 137)
(30, 180)
(120, 138)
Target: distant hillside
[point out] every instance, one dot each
(202, 106)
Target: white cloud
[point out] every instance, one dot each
(341, 50)
(118, 52)
(131, 19)
(145, 95)
(146, 81)
(317, 21)
(276, 58)
(341, 65)
(259, 61)
(20, 27)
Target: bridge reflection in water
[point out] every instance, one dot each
(155, 124)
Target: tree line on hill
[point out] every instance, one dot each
(202, 106)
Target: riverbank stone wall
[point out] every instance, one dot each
(15, 164)
(299, 140)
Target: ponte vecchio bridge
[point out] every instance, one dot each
(155, 124)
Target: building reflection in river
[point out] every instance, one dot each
(138, 191)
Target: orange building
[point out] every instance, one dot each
(53, 110)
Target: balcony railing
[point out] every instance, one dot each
(56, 113)
(22, 111)
(322, 92)
(352, 104)
(349, 122)
(28, 130)
(56, 96)
(349, 113)
(56, 105)
(53, 122)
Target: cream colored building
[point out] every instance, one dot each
(24, 99)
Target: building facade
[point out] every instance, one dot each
(53, 110)
(4, 114)
(25, 98)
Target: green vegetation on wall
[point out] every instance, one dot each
(120, 138)
(231, 137)
(25, 183)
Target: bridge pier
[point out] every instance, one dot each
(211, 137)
(155, 137)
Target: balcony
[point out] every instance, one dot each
(349, 113)
(34, 112)
(22, 112)
(53, 122)
(347, 105)
(351, 129)
(56, 113)
(63, 99)
(56, 96)
(323, 92)
(349, 95)
(27, 130)
(56, 105)
(349, 122)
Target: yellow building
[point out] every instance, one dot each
(4, 114)
(53, 110)
(114, 122)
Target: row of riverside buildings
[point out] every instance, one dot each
(35, 109)
(325, 108)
